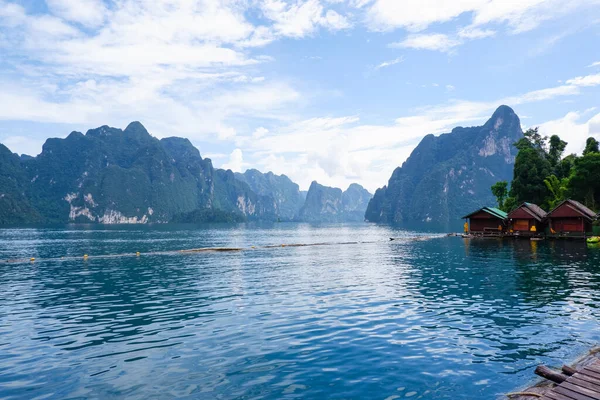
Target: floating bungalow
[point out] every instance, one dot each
(487, 221)
(527, 220)
(570, 219)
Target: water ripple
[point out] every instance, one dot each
(432, 319)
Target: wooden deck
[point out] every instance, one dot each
(583, 385)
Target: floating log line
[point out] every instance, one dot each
(87, 257)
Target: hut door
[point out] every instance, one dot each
(521, 225)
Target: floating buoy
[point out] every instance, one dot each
(137, 253)
(593, 240)
(32, 259)
(85, 256)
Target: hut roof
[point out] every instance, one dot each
(583, 210)
(496, 212)
(533, 209)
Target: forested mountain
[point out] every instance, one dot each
(111, 175)
(329, 204)
(287, 198)
(449, 175)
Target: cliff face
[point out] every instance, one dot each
(332, 205)
(284, 194)
(111, 175)
(449, 175)
(15, 207)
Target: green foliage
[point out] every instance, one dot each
(591, 146)
(543, 177)
(531, 168)
(15, 207)
(557, 148)
(500, 190)
(585, 179)
(510, 204)
(565, 166)
(559, 189)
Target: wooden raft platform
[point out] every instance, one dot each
(584, 384)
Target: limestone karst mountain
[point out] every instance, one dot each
(449, 175)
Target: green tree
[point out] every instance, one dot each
(557, 148)
(500, 190)
(585, 179)
(591, 146)
(565, 166)
(559, 189)
(531, 168)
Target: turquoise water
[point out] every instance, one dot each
(443, 318)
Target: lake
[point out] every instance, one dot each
(440, 318)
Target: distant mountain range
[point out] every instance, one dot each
(448, 176)
(113, 176)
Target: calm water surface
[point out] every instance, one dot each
(444, 318)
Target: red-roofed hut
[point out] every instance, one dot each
(527, 220)
(571, 218)
(486, 221)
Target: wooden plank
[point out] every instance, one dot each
(555, 396)
(569, 393)
(588, 372)
(587, 378)
(593, 367)
(575, 388)
(575, 380)
(552, 395)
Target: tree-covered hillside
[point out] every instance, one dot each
(544, 177)
(111, 175)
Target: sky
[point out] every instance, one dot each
(337, 91)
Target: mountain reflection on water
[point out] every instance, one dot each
(439, 318)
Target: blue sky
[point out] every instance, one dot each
(337, 91)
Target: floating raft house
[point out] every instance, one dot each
(488, 221)
(570, 219)
(527, 220)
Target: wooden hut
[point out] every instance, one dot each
(571, 218)
(487, 221)
(527, 220)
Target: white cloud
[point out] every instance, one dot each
(338, 151)
(390, 63)
(450, 88)
(301, 18)
(588, 80)
(595, 64)
(260, 132)
(86, 12)
(434, 41)
(475, 33)
(236, 161)
(572, 129)
(417, 15)
(414, 15)
(334, 21)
